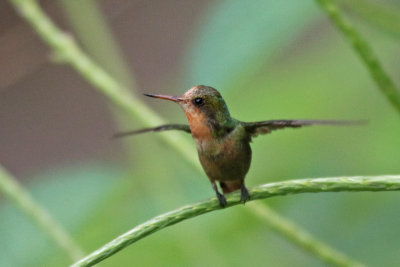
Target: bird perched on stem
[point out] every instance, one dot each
(223, 143)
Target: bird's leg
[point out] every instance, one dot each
(221, 197)
(244, 194)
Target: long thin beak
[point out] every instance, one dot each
(166, 97)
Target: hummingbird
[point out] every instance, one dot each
(222, 142)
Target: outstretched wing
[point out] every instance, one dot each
(181, 127)
(265, 127)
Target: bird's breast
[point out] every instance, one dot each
(225, 159)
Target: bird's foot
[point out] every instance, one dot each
(221, 200)
(244, 194)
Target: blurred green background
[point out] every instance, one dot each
(269, 59)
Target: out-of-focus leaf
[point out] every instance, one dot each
(239, 36)
(70, 195)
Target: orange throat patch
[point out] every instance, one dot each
(198, 125)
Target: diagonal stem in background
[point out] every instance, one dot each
(382, 15)
(96, 38)
(304, 239)
(292, 232)
(362, 48)
(24, 201)
(67, 51)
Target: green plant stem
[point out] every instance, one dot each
(362, 48)
(304, 239)
(23, 200)
(382, 15)
(93, 32)
(66, 51)
(292, 232)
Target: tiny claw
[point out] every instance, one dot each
(221, 200)
(244, 194)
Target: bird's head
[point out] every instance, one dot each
(201, 104)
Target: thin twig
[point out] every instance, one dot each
(66, 50)
(382, 15)
(97, 39)
(375, 183)
(15, 192)
(303, 238)
(366, 53)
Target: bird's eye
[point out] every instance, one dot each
(198, 101)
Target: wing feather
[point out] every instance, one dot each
(265, 127)
(166, 127)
